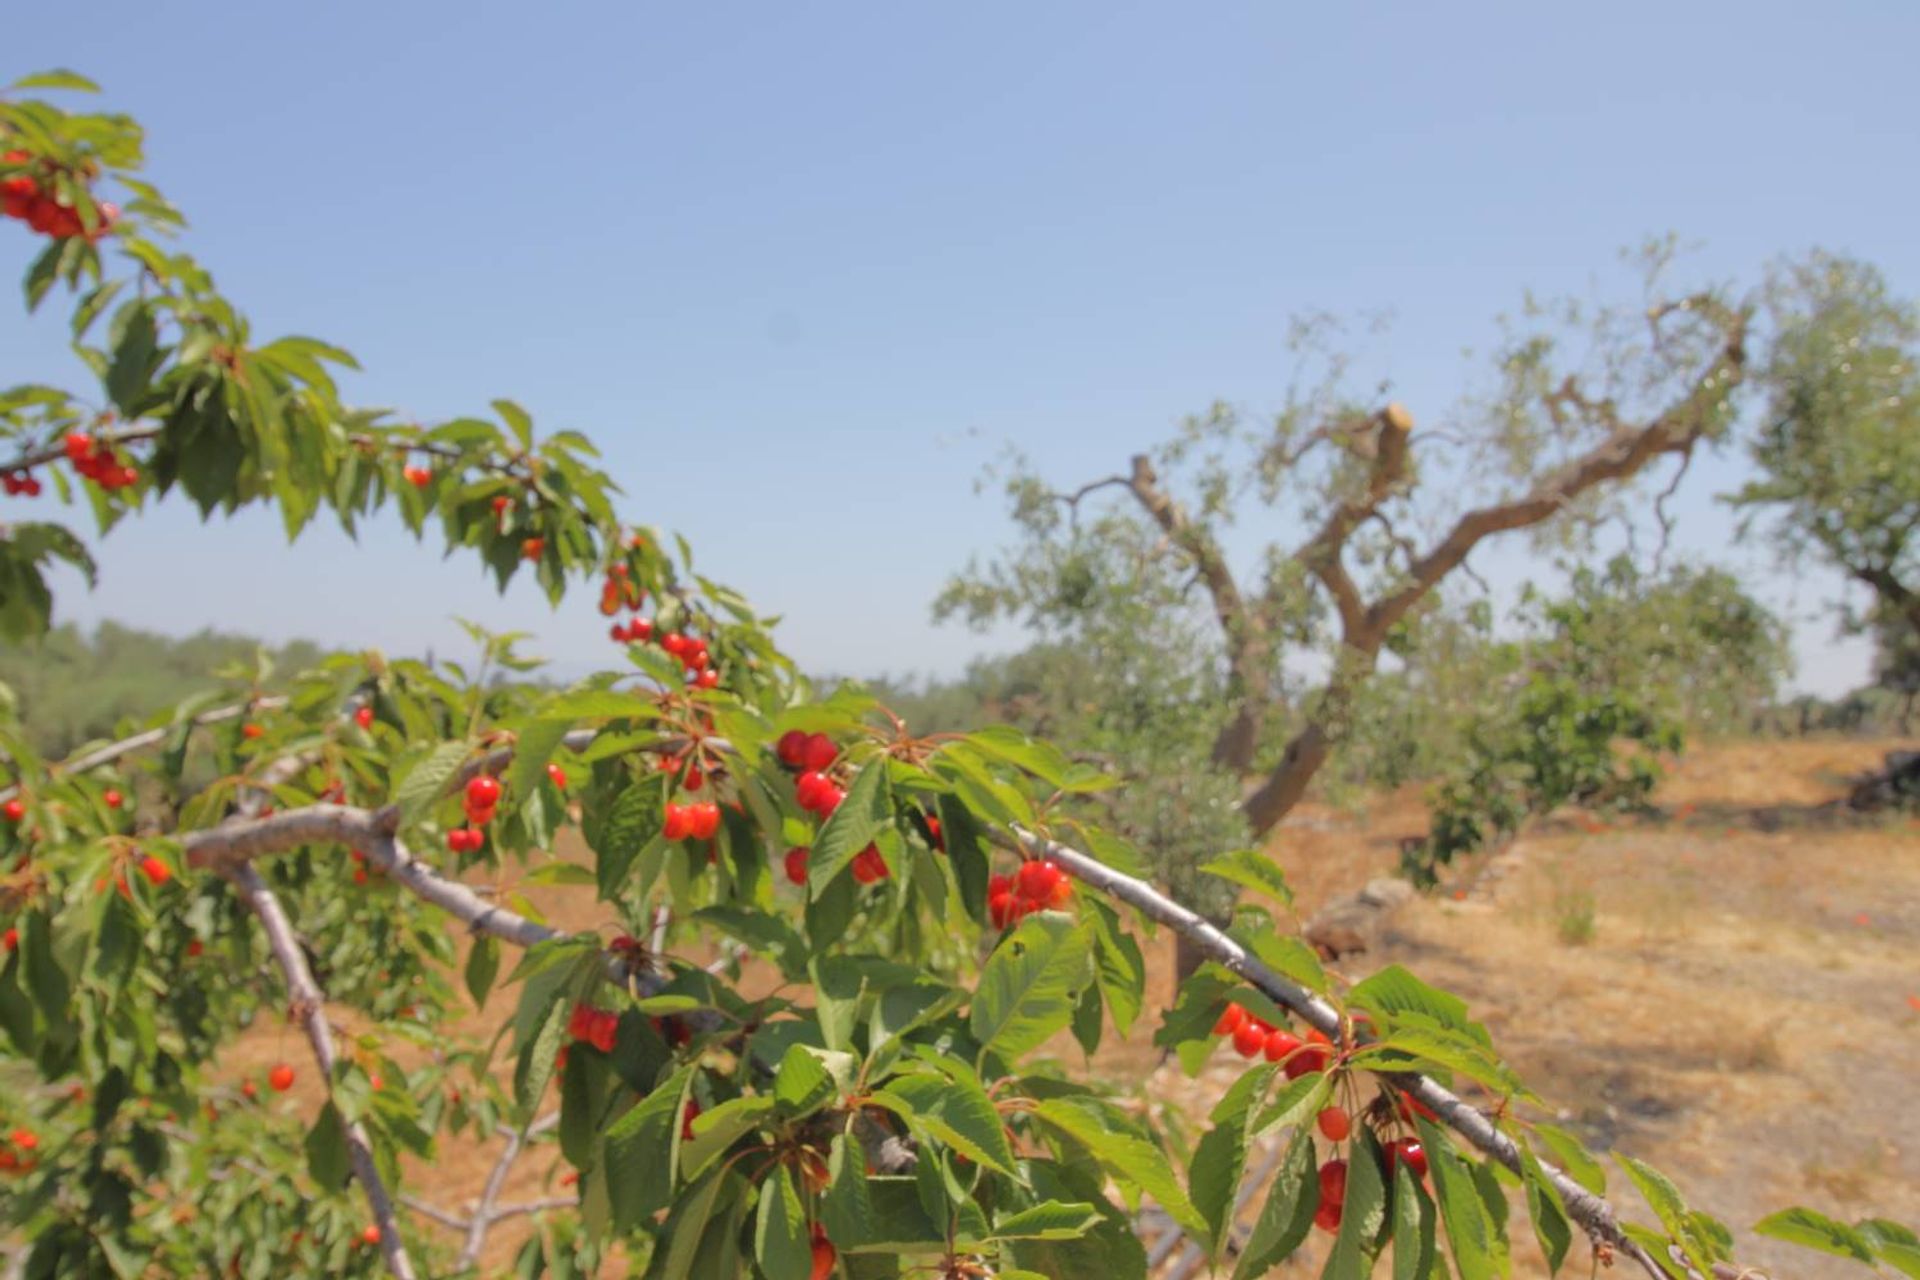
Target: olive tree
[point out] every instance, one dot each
(1170, 562)
(1838, 449)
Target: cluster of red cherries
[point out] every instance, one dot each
(812, 754)
(33, 201)
(1254, 1037)
(697, 821)
(98, 462)
(16, 1151)
(1037, 886)
(20, 484)
(691, 651)
(480, 803)
(481, 800)
(593, 1026)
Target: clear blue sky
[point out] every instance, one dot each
(801, 269)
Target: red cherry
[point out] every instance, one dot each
(363, 716)
(1062, 894)
(156, 871)
(1333, 1181)
(674, 643)
(869, 865)
(114, 799)
(359, 875)
(1278, 1045)
(250, 1089)
(533, 548)
(1309, 1059)
(500, 503)
(457, 840)
(250, 731)
(483, 791)
(935, 836)
(791, 748)
(1327, 1216)
(1248, 1040)
(1000, 909)
(707, 819)
(687, 1118)
(1334, 1124)
(806, 790)
(824, 1257)
(558, 776)
(640, 630)
(10, 939)
(194, 948)
(1409, 1150)
(1037, 880)
(1230, 1019)
(371, 1235)
(819, 752)
(418, 477)
(678, 823)
(13, 811)
(797, 864)
(280, 1079)
(708, 679)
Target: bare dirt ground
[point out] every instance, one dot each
(1731, 992)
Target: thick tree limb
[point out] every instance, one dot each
(1249, 645)
(1626, 450)
(309, 1008)
(1594, 1214)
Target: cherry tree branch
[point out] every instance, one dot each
(1594, 1214)
(57, 450)
(483, 1213)
(112, 751)
(309, 1008)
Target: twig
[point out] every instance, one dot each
(152, 737)
(308, 1004)
(483, 1213)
